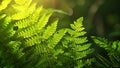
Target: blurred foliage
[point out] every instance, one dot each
(101, 17)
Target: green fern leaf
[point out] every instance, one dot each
(76, 26)
(6, 22)
(101, 41)
(33, 30)
(77, 40)
(80, 55)
(16, 48)
(28, 41)
(76, 34)
(24, 14)
(30, 20)
(32, 41)
(44, 19)
(82, 48)
(104, 61)
(116, 46)
(50, 30)
(113, 52)
(77, 44)
(56, 38)
(107, 45)
(80, 64)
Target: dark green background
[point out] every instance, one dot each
(104, 21)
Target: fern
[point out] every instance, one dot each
(113, 49)
(50, 30)
(28, 41)
(30, 20)
(77, 44)
(24, 14)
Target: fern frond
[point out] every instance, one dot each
(76, 34)
(24, 14)
(45, 34)
(113, 52)
(34, 29)
(82, 54)
(77, 40)
(6, 22)
(101, 41)
(107, 45)
(29, 41)
(76, 26)
(27, 32)
(30, 20)
(44, 19)
(32, 41)
(113, 61)
(81, 64)
(16, 48)
(77, 44)
(56, 38)
(6, 30)
(82, 48)
(50, 30)
(116, 46)
(105, 62)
